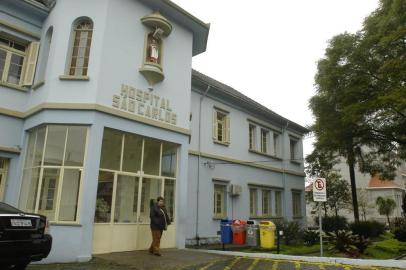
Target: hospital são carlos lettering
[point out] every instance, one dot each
(144, 104)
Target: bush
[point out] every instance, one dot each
(368, 228)
(361, 242)
(399, 229)
(342, 241)
(333, 224)
(310, 237)
(292, 231)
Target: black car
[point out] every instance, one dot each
(23, 238)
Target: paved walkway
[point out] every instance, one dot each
(194, 260)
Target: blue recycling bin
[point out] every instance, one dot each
(226, 233)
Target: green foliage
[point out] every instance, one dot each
(404, 205)
(310, 237)
(360, 104)
(387, 249)
(341, 241)
(385, 206)
(367, 229)
(361, 243)
(333, 224)
(292, 231)
(398, 228)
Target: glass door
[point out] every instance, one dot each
(3, 177)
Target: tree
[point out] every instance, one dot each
(385, 207)
(360, 104)
(404, 205)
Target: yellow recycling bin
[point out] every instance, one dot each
(267, 234)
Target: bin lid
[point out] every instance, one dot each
(239, 221)
(266, 223)
(252, 222)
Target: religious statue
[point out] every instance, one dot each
(153, 51)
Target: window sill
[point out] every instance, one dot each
(264, 154)
(297, 217)
(14, 86)
(221, 143)
(219, 218)
(71, 224)
(295, 162)
(74, 78)
(38, 85)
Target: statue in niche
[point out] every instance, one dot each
(153, 53)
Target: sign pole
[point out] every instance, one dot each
(320, 195)
(320, 231)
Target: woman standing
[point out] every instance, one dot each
(159, 223)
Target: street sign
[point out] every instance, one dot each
(319, 190)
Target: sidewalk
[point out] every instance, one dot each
(188, 259)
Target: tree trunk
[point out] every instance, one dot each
(351, 165)
(387, 216)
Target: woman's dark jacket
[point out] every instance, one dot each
(159, 218)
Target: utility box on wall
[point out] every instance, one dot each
(236, 190)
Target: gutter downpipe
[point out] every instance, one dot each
(284, 210)
(198, 165)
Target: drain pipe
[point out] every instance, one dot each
(284, 159)
(198, 165)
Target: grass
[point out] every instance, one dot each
(386, 249)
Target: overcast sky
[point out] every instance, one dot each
(268, 49)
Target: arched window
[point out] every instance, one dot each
(82, 39)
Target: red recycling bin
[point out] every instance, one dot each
(239, 233)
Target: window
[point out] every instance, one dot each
(80, 48)
(293, 149)
(278, 203)
(221, 127)
(219, 203)
(253, 202)
(17, 58)
(266, 203)
(296, 204)
(264, 141)
(53, 171)
(252, 136)
(3, 176)
(276, 144)
(133, 170)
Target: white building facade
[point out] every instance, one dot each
(101, 112)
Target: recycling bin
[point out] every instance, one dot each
(239, 234)
(267, 234)
(225, 231)
(252, 233)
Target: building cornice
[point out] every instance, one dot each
(246, 163)
(92, 107)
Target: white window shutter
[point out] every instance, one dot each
(215, 125)
(227, 129)
(32, 57)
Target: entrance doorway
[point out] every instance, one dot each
(3, 177)
(133, 171)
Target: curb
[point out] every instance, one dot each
(329, 260)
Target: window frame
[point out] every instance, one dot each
(278, 200)
(60, 177)
(264, 140)
(253, 202)
(7, 62)
(74, 36)
(297, 204)
(252, 136)
(219, 189)
(268, 204)
(225, 126)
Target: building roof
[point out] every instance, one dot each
(202, 81)
(375, 182)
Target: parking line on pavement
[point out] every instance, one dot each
(321, 267)
(275, 265)
(228, 267)
(254, 263)
(297, 265)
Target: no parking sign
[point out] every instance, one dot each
(319, 190)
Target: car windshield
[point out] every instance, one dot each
(8, 209)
